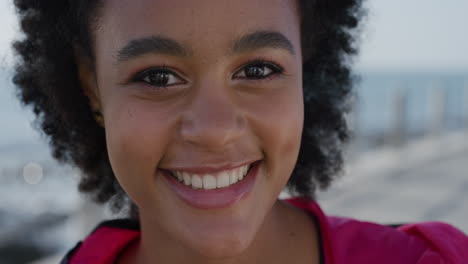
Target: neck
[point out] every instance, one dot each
(286, 234)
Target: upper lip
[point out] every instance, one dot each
(210, 168)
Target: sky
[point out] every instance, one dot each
(415, 35)
(397, 35)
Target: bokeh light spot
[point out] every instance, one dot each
(32, 173)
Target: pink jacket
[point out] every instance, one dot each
(347, 241)
(343, 240)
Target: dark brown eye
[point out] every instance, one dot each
(258, 70)
(159, 77)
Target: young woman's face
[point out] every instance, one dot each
(203, 90)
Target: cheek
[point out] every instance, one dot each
(136, 136)
(280, 123)
(288, 131)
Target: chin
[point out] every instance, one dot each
(221, 247)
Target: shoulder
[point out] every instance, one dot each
(346, 240)
(421, 243)
(449, 242)
(105, 243)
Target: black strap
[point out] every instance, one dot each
(396, 225)
(116, 223)
(70, 253)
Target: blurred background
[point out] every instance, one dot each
(408, 160)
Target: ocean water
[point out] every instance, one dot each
(16, 120)
(427, 97)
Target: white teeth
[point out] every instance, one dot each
(209, 182)
(197, 182)
(223, 180)
(233, 177)
(243, 170)
(242, 173)
(178, 175)
(187, 180)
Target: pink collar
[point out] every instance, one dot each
(343, 241)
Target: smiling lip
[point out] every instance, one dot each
(215, 198)
(207, 169)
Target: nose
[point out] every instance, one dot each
(213, 120)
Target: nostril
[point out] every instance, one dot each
(212, 128)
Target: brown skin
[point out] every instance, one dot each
(208, 116)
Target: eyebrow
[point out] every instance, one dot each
(153, 44)
(262, 39)
(163, 45)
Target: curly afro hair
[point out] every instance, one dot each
(46, 77)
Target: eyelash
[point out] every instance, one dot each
(141, 76)
(273, 67)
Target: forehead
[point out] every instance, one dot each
(221, 21)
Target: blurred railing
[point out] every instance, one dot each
(407, 111)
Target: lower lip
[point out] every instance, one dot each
(214, 198)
